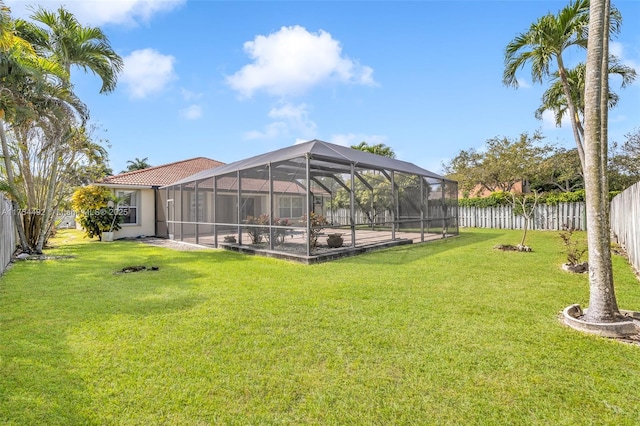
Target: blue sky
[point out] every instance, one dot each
(228, 80)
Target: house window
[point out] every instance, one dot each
(128, 205)
(290, 207)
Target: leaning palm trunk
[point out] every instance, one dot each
(49, 208)
(24, 245)
(575, 120)
(603, 306)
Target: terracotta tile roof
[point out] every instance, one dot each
(162, 175)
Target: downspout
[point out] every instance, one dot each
(155, 209)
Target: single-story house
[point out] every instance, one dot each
(139, 190)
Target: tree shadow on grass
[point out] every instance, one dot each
(413, 252)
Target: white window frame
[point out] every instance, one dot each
(123, 193)
(288, 199)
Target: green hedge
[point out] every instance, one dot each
(500, 198)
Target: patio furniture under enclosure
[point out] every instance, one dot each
(290, 201)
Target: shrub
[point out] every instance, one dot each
(573, 248)
(91, 205)
(318, 222)
(503, 198)
(256, 232)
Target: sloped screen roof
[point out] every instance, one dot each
(322, 155)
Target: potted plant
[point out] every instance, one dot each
(334, 240)
(107, 236)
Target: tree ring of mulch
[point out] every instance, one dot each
(137, 268)
(578, 268)
(510, 247)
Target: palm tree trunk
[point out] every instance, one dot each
(17, 217)
(603, 306)
(575, 121)
(604, 106)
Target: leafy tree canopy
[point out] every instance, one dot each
(624, 163)
(500, 164)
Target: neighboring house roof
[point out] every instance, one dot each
(165, 174)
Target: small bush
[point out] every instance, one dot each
(573, 248)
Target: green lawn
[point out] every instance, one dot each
(449, 332)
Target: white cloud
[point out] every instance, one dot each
(549, 120)
(293, 60)
(523, 84)
(289, 120)
(617, 49)
(349, 139)
(188, 95)
(100, 12)
(192, 112)
(147, 72)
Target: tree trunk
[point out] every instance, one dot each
(575, 121)
(603, 306)
(17, 217)
(51, 188)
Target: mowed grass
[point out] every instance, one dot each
(449, 332)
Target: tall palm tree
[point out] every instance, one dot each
(544, 44)
(603, 306)
(63, 40)
(20, 68)
(70, 44)
(137, 164)
(588, 25)
(554, 98)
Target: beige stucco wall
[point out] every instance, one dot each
(146, 217)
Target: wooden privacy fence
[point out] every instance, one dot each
(625, 222)
(7, 233)
(554, 217)
(342, 216)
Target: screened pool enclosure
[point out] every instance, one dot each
(310, 202)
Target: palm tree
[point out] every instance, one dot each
(554, 98)
(378, 149)
(545, 42)
(137, 164)
(63, 40)
(603, 306)
(72, 44)
(21, 68)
